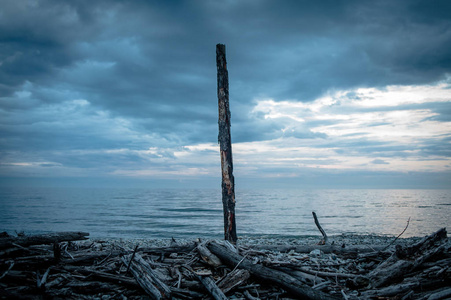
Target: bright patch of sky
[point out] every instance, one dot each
(391, 126)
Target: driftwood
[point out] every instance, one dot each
(234, 279)
(212, 288)
(393, 269)
(146, 277)
(286, 281)
(99, 269)
(325, 239)
(208, 257)
(349, 250)
(225, 146)
(24, 241)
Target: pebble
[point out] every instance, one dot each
(347, 239)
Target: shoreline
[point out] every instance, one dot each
(339, 240)
(77, 267)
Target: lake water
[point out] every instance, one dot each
(165, 213)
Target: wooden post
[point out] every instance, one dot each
(225, 144)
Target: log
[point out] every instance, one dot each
(50, 238)
(32, 262)
(233, 280)
(392, 290)
(443, 294)
(326, 274)
(146, 277)
(410, 284)
(426, 243)
(91, 287)
(170, 249)
(304, 277)
(212, 288)
(225, 146)
(208, 257)
(118, 279)
(185, 293)
(394, 268)
(287, 282)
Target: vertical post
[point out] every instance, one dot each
(225, 146)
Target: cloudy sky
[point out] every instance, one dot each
(322, 93)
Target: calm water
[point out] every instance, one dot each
(140, 213)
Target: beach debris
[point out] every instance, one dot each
(325, 238)
(252, 269)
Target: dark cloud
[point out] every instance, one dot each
(145, 70)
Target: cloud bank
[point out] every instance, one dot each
(319, 92)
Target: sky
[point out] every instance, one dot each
(340, 94)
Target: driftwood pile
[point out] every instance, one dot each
(54, 266)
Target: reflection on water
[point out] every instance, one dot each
(140, 213)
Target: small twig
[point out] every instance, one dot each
(179, 281)
(320, 228)
(239, 263)
(41, 282)
(132, 257)
(321, 285)
(6, 272)
(67, 252)
(408, 221)
(105, 259)
(19, 246)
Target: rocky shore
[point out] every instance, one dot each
(345, 239)
(71, 266)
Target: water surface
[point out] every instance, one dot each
(165, 213)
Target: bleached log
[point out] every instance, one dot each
(208, 257)
(212, 288)
(170, 249)
(443, 294)
(394, 269)
(289, 283)
(146, 277)
(423, 245)
(233, 279)
(186, 293)
(50, 238)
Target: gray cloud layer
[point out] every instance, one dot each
(80, 75)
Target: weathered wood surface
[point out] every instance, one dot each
(286, 281)
(225, 146)
(208, 257)
(96, 269)
(325, 238)
(212, 288)
(234, 279)
(50, 238)
(146, 277)
(394, 268)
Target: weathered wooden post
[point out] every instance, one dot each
(225, 146)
